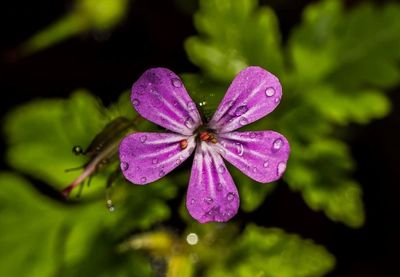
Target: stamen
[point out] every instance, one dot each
(204, 136)
(183, 144)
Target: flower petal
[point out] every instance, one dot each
(146, 157)
(253, 94)
(159, 96)
(261, 155)
(212, 194)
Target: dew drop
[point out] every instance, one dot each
(266, 164)
(281, 168)
(243, 121)
(143, 179)
(241, 110)
(221, 169)
(124, 166)
(143, 139)
(176, 82)
(239, 148)
(154, 161)
(252, 135)
(270, 91)
(162, 173)
(254, 169)
(189, 122)
(277, 99)
(230, 196)
(219, 187)
(111, 208)
(135, 102)
(191, 106)
(178, 161)
(192, 201)
(278, 143)
(208, 200)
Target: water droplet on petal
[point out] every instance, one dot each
(143, 179)
(239, 148)
(278, 143)
(189, 122)
(270, 91)
(191, 106)
(162, 173)
(176, 82)
(241, 110)
(277, 99)
(143, 139)
(154, 161)
(135, 102)
(254, 169)
(252, 135)
(243, 121)
(124, 166)
(230, 196)
(221, 151)
(221, 169)
(281, 168)
(266, 164)
(208, 200)
(219, 187)
(178, 161)
(192, 201)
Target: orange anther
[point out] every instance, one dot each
(204, 136)
(183, 143)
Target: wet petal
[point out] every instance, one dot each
(146, 157)
(212, 194)
(261, 155)
(160, 96)
(253, 94)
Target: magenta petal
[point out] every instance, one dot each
(212, 194)
(261, 155)
(160, 96)
(253, 94)
(146, 157)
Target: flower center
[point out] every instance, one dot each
(207, 136)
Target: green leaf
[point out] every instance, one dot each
(234, 35)
(350, 49)
(272, 252)
(319, 172)
(41, 134)
(46, 238)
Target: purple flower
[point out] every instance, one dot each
(160, 97)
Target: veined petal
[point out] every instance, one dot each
(146, 157)
(253, 94)
(261, 155)
(160, 96)
(212, 194)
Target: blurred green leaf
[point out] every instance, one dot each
(41, 237)
(333, 70)
(87, 15)
(41, 134)
(272, 252)
(234, 34)
(348, 49)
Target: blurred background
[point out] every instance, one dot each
(66, 68)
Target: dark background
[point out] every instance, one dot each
(153, 35)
